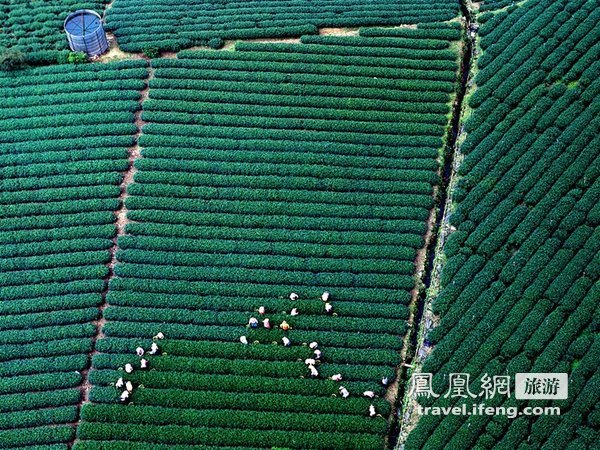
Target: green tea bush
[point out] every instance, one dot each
(11, 59)
(77, 58)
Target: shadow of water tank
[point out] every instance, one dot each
(85, 32)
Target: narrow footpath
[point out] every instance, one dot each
(121, 220)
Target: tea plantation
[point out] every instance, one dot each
(246, 192)
(64, 138)
(222, 234)
(521, 291)
(173, 25)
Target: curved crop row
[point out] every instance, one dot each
(520, 286)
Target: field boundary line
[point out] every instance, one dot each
(121, 221)
(424, 317)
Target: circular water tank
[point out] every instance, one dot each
(85, 32)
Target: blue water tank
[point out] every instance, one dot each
(85, 32)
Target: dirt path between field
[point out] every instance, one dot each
(424, 319)
(338, 31)
(121, 221)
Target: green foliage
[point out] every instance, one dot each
(235, 419)
(447, 32)
(353, 309)
(204, 61)
(77, 58)
(35, 29)
(151, 51)
(415, 42)
(11, 59)
(179, 398)
(289, 53)
(216, 43)
(39, 382)
(209, 24)
(248, 191)
(43, 436)
(53, 363)
(65, 414)
(36, 400)
(276, 168)
(437, 57)
(237, 382)
(173, 434)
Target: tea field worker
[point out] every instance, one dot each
(153, 349)
(261, 310)
(124, 396)
(310, 362)
(143, 363)
(129, 386)
(294, 312)
(159, 335)
(139, 351)
(313, 345)
(293, 296)
(384, 381)
(369, 394)
(344, 392)
(325, 296)
(244, 340)
(128, 368)
(267, 324)
(313, 372)
(328, 308)
(372, 412)
(119, 383)
(286, 341)
(253, 322)
(317, 354)
(337, 377)
(284, 326)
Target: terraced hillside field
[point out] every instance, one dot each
(64, 138)
(246, 192)
(520, 287)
